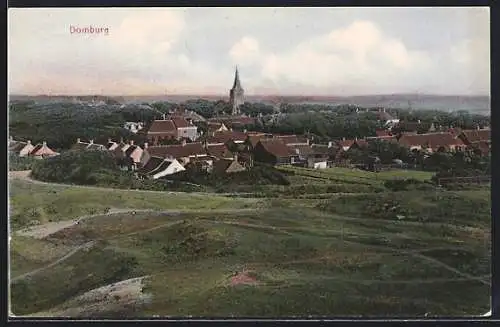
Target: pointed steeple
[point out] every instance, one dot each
(237, 84)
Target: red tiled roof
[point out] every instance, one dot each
(219, 151)
(432, 140)
(344, 143)
(180, 122)
(361, 142)
(177, 151)
(277, 148)
(292, 139)
(382, 138)
(223, 137)
(382, 132)
(42, 150)
(152, 164)
(162, 126)
(474, 135)
(303, 150)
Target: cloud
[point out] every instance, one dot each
(246, 51)
(358, 54)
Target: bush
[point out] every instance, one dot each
(396, 185)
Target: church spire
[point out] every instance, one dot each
(236, 94)
(237, 84)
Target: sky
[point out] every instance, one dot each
(278, 51)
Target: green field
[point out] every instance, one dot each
(349, 255)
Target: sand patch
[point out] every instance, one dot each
(243, 278)
(112, 297)
(42, 231)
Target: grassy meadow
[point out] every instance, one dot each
(408, 253)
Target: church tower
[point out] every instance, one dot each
(236, 94)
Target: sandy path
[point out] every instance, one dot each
(114, 296)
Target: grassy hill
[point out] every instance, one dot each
(340, 256)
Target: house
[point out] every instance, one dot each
(386, 118)
(185, 129)
(481, 147)
(345, 144)
(219, 151)
(134, 152)
(158, 167)
(382, 133)
(407, 126)
(133, 127)
(472, 136)
(42, 151)
(161, 130)
(225, 137)
(201, 164)
(293, 139)
(215, 127)
(20, 148)
(183, 153)
(432, 142)
(275, 152)
(225, 166)
(254, 138)
(79, 146)
(111, 145)
(358, 144)
(317, 161)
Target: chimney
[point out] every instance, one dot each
(235, 157)
(330, 144)
(91, 141)
(146, 145)
(245, 130)
(383, 110)
(307, 141)
(131, 142)
(78, 140)
(343, 139)
(44, 143)
(28, 142)
(478, 128)
(356, 138)
(164, 117)
(183, 142)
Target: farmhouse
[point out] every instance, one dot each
(220, 138)
(20, 148)
(470, 137)
(432, 142)
(275, 152)
(184, 152)
(79, 146)
(219, 151)
(225, 166)
(42, 151)
(161, 130)
(158, 167)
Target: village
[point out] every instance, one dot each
(226, 147)
(274, 163)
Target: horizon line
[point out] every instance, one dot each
(252, 95)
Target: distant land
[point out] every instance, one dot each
(476, 104)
